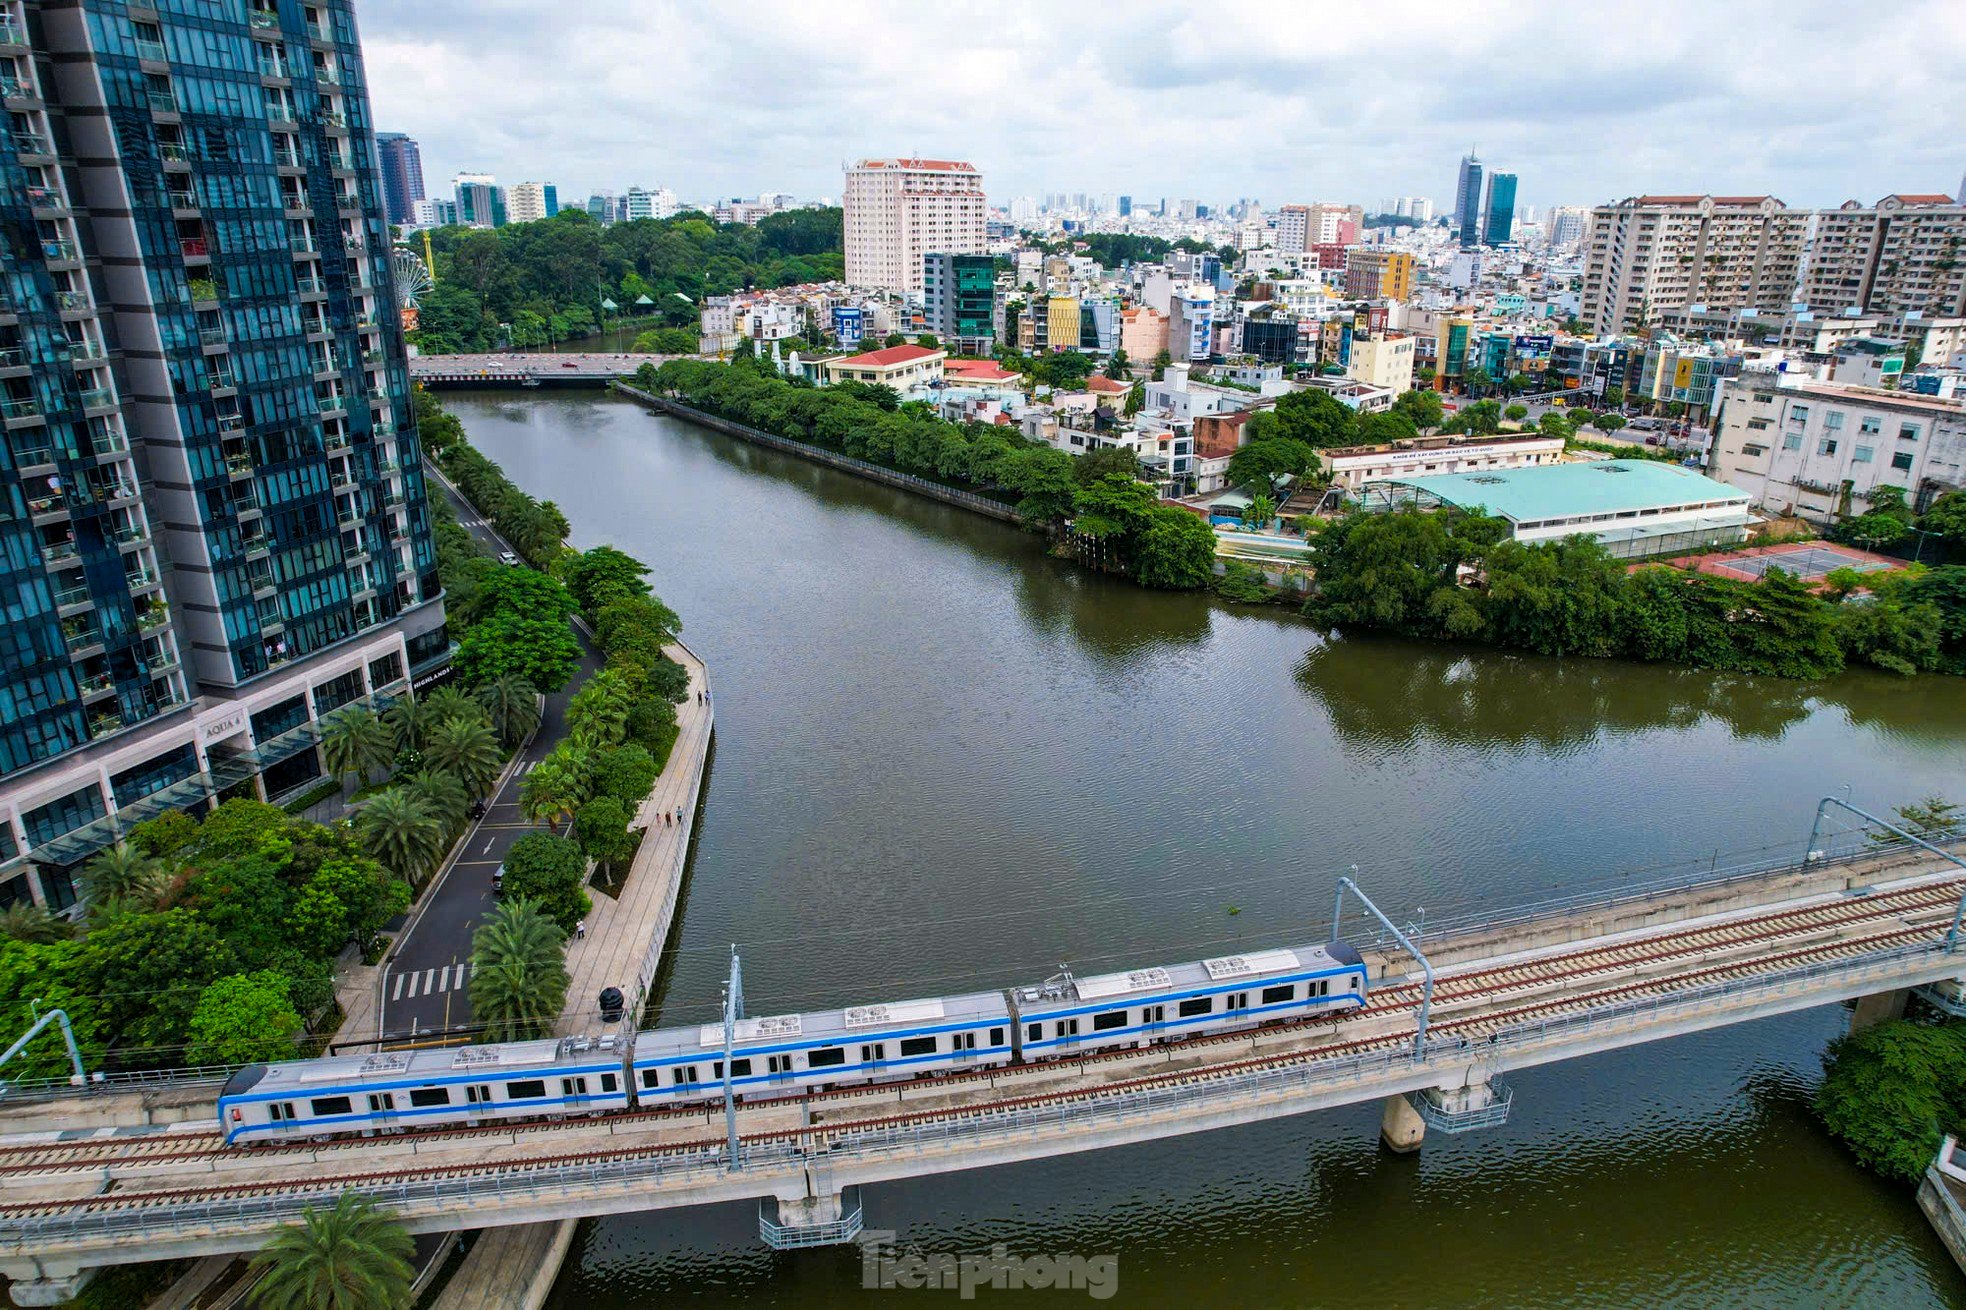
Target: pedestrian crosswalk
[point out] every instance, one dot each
(428, 982)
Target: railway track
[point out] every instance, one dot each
(1654, 964)
(1657, 956)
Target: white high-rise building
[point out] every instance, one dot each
(526, 202)
(898, 210)
(641, 203)
(1421, 208)
(1024, 209)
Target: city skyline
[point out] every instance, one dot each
(1684, 101)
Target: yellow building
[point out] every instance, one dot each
(1374, 274)
(1383, 362)
(1062, 322)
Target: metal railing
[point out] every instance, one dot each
(1174, 1091)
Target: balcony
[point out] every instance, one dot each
(85, 350)
(97, 685)
(221, 379)
(332, 404)
(60, 553)
(109, 443)
(174, 152)
(256, 545)
(80, 636)
(59, 252)
(194, 248)
(102, 725)
(13, 357)
(335, 441)
(11, 32)
(13, 86)
(318, 32)
(68, 597)
(33, 457)
(24, 407)
(265, 18)
(153, 617)
(272, 67)
(311, 285)
(160, 659)
(161, 102)
(213, 336)
(239, 466)
(32, 143)
(288, 159)
(141, 579)
(72, 300)
(99, 398)
(151, 50)
(129, 536)
(303, 246)
(46, 197)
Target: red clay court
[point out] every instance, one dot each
(1811, 561)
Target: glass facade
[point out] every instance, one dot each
(208, 460)
(1501, 209)
(959, 295)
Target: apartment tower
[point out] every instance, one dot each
(1906, 254)
(898, 210)
(214, 521)
(1647, 254)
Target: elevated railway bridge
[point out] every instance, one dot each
(1451, 1013)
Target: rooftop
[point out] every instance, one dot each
(977, 370)
(891, 356)
(932, 165)
(1559, 491)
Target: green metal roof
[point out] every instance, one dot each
(1563, 491)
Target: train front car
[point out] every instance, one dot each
(393, 1091)
(1066, 1015)
(786, 1054)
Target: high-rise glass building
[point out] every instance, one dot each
(1501, 209)
(480, 202)
(959, 301)
(401, 164)
(1467, 201)
(212, 515)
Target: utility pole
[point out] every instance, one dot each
(733, 1011)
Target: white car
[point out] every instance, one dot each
(507, 557)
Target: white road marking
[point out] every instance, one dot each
(429, 976)
(444, 979)
(411, 990)
(486, 848)
(396, 994)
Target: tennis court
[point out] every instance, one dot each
(1810, 561)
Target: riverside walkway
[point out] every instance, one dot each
(1506, 991)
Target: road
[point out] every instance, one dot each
(509, 364)
(424, 985)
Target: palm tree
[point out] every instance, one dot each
(117, 871)
(35, 924)
(554, 789)
(410, 722)
(513, 704)
(399, 830)
(598, 712)
(354, 740)
(353, 1257)
(444, 796)
(518, 972)
(467, 750)
(449, 703)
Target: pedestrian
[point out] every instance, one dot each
(679, 816)
(580, 928)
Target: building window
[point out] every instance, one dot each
(1871, 426)
(47, 822)
(1833, 420)
(1793, 441)
(1798, 413)
(1907, 432)
(1827, 446)
(1901, 461)
(1861, 455)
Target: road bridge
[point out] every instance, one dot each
(1509, 991)
(596, 369)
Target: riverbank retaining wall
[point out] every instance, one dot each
(968, 500)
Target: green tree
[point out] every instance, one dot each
(1890, 1092)
(1608, 422)
(928, 341)
(549, 871)
(1614, 396)
(518, 972)
(1261, 510)
(444, 794)
(506, 644)
(1553, 424)
(598, 712)
(409, 720)
(1872, 530)
(1096, 464)
(1947, 517)
(602, 829)
(513, 706)
(1385, 429)
(243, 1018)
(400, 831)
(1261, 462)
(23, 921)
(1422, 408)
(354, 1256)
(553, 789)
(1516, 413)
(1118, 365)
(354, 741)
(894, 339)
(1315, 418)
(467, 750)
(1136, 399)
(119, 871)
(1177, 551)
(595, 577)
(148, 971)
(1162, 361)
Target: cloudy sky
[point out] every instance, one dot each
(1817, 101)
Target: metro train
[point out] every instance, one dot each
(787, 1054)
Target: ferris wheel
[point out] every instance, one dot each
(412, 277)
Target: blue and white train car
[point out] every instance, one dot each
(394, 1090)
(1066, 1016)
(786, 1054)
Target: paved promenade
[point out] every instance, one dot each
(626, 932)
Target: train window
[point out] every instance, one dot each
(738, 1069)
(609, 1082)
(1236, 1001)
(996, 1037)
(685, 1073)
(873, 1053)
(1188, 1009)
(381, 1102)
(478, 1094)
(1033, 1031)
(424, 1096)
(1276, 995)
(1108, 1021)
(962, 1041)
(1154, 1014)
(325, 1105)
(825, 1057)
(1066, 1028)
(917, 1046)
(778, 1064)
(1324, 987)
(573, 1087)
(525, 1089)
(281, 1111)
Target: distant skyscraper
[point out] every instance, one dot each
(898, 210)
(401, 165)
(215, 530)
(1126, 206)
(1467, 201)
(528, 202)
(479, 201)
(1501, 209)
(1421, 207)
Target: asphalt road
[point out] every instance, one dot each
(424, 985)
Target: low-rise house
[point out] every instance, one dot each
(905, 368)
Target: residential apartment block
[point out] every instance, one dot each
(211, 495)
(528, 202)
(899, 210)
(1375, 273)
(1646, 254)
(1906, 254)
(1816, 449)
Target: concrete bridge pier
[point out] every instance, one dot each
(1401, 1128)
(1879, 1007)
(35, 1281)
(818, 1217)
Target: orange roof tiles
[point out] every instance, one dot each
(883, 358)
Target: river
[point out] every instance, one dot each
(945, 760)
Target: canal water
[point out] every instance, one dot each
(946, 761)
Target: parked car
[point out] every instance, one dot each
(498, 879)
(507, 557)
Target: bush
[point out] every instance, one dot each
(1892, 1091)
(549, 871)
(1243, 584)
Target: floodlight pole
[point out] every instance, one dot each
(81, 1076)
(1426, 969)
(733, 1011)
(1815, 830)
